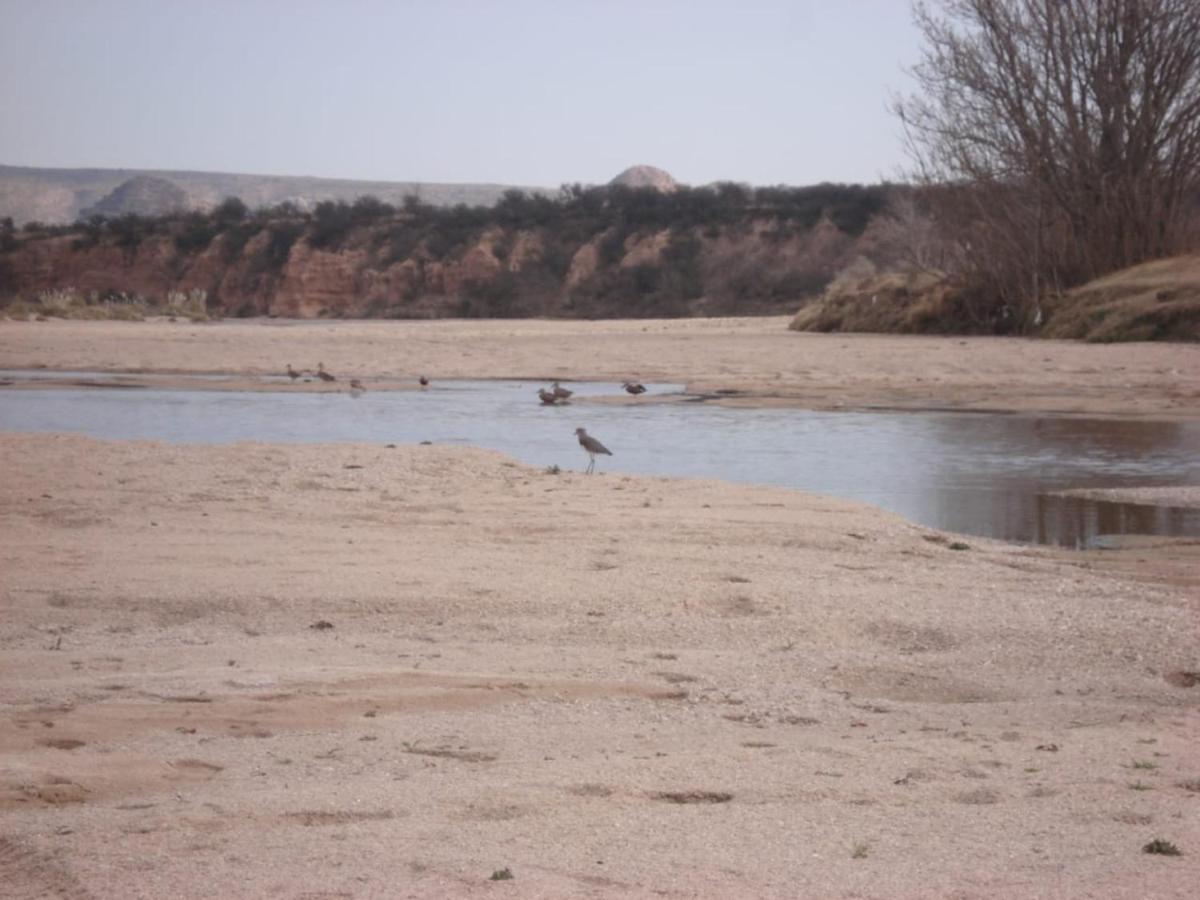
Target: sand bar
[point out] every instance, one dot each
(757, 357)
(361, 671)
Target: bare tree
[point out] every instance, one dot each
(1065, 134)
(908, 234)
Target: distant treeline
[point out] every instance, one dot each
(581, 212)
(680, 278)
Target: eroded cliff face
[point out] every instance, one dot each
(757, 267)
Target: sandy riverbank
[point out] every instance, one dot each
(758, 357)
(611, 686)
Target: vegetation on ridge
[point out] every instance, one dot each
(529, 244)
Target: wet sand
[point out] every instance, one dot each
(757, 358)
(361, 671)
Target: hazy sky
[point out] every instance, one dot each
(536, 92)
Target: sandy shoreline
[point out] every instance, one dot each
(609, 685)
(758, 357)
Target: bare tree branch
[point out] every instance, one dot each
(1068, 130)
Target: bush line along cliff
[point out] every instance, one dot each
(612, 251)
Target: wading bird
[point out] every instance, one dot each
(292, 373)
(547, 397)
(592, 447)
(632, 387)
(423, 381)
(322, 374)
(560, 392)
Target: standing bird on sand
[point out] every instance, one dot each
(423, 381)
(560, 392)
(322, 374)
(292, 373)
(356, 387)
(592, 447)
(547, 397)
(634, 388)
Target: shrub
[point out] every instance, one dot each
(682, 256)
(368, 209)
(8, 235)
(90, 233)
(196, 234)
(235, 239)
(556, 258)
(611, 249)
(332, 221)
(279, 246)
(18, 309)
(645, 277)
(402, 241)
(229, 212)
(1161, 847)
(495, 298)
(449, 230)
(193, 303)
(129, 230)
(57, 301)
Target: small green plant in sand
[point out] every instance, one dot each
(959, 545)
(504, 874)
(860, 850)
(1162, 848)
(1144, 764)
(1140, 786)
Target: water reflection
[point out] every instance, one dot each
(996, 475)
(1078, 522)
(978, 474)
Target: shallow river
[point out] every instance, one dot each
(978, 474)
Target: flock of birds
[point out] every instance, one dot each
(356, 386)
(554, 395)
(559, 394)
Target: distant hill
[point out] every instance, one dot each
(145, 195)
(646, 177)
(60, 196)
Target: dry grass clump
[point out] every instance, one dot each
(685, 797)
(893, 302)
(71, 303)
(1156, 301)
(1162, 848)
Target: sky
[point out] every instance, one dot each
(529, 92)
